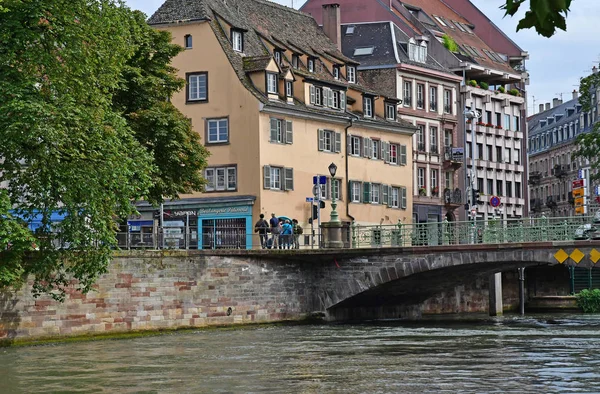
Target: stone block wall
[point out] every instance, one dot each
(152, 291)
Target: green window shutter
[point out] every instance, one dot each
(321, 140)
(366, 192)
(267, 177)
(403, 155)
(338, 142)
(384, 192)
(274, 124)
(289, 132)
(289, 178)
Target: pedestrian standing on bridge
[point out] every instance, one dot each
(275, 231)
(287, 233)
(262, 228)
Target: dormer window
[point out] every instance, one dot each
(351, 74)
(289, 89)
(295, 61)
(336, 72)
(368, 106)
(417, 52)
(277, 55)
(187, 41)
(237, 40)
(350, 30)
(390, 111)
(311, 65)
(271, 83)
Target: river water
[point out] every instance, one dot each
(520, 355)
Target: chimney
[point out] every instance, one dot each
(547, 106)
(575, 94)
(331, 23)
(594, 70)
(556, 102)
(541, 107)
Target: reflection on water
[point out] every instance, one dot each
(537, 355)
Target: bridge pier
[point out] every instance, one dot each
(495, 294)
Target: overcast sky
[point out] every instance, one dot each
(555, 64)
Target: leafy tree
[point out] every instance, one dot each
(589, 143)
(85, 130)
(543, 15)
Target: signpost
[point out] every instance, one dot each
(495, 201)
(578, 187)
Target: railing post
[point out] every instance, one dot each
(354, 243)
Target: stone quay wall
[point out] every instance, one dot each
(154, 291)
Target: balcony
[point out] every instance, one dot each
(407, 101)
(560, 171)
(454, 157)
(535, 204)
(447, 109)
(535, 178)
(453, 198)
(433, 106)
(420, 104)
(433, 149)
(421, 147)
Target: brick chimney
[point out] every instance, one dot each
(547, 106)
(541, 107)
(331, 23)
(575, 94)
(556, 102)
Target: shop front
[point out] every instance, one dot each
(427, 224)
(227, 226)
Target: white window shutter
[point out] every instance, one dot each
(274, 123)
(403, 155)
(289, 178)
(338, 142)
(371, 148)
(382, 149)
(343, 101)
(321, 140)
(312, 94)
(267, 177)
(330, 98)
(366, 147)
(289, 132)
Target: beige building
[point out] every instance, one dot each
(276, 103)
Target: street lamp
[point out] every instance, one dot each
(334, 215)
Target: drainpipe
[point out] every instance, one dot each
(347, 173)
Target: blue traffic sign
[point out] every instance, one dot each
(495, 201)
(310, 199)
(580, 174)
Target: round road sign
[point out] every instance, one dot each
(495, 201)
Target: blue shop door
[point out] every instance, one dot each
(224, 233)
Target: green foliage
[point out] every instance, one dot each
(449, 43)
(501, 89)
(589, 300)
(514, 92)
(543, 15)
(589, 143)
(484, 85)
(472, 82)
(84, 124)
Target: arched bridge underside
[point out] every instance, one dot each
(344, 282)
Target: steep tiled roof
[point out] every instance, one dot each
(264, 21)
(535, 126)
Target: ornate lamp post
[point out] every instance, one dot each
(334, 215)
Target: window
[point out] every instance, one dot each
(187, 40)
(336, 72)
(220, 179)
(499, 154)
(498, 119)
(480, 184)
(440, 21)
(469, 152)
(375, 193)
(277, 55)
(271, 83)
(217, 131)
(433, 140)
(516, 125)
(449, 180)
(433, 99)
(329, 141)
(490, 157)
(507, 157)
(421, 177)
(350, 30)
(336, 187)
(407, 94)
(281, 131)
(393, 154)
(488, 117)
(480, 151)
(499, 188)
(363, 51)
(420, 95)
(295, 61)
(376, 151)
(395, 198)
(490, 187)
(237, 40)
(507, 122)
(518, 189)
(518, 157)
(509, 191)
(368, 106)
(417, 52)
(311, 65)
(460, 27)
(351, 74)
(289, 89)
(356, 191)
(278, 178)
(448, 138)
(197, 86)
(447, 101)
(390, 111)
(434, 182)
(421, 138)
(355, 146)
